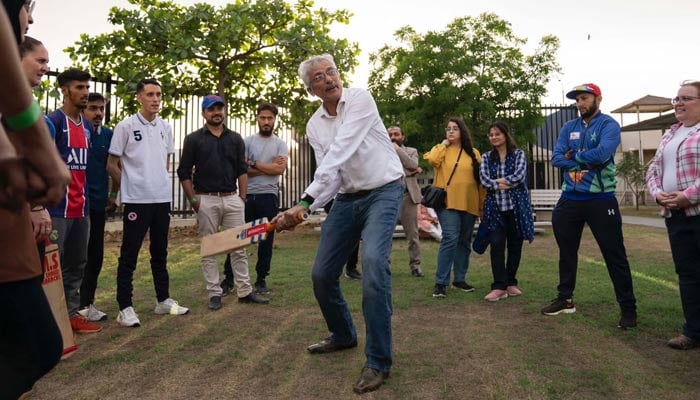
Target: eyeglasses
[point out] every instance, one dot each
(29, 6)
(452, 128)
(684, 99)
(322, 75)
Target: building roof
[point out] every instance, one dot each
(646, 104)
(661, 122)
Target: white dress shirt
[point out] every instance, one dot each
(353, 150)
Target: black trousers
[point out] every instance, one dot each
(139, 218)
(604, 219)
(30, 341)
(96, 250)
(684, 236)
(507, 237)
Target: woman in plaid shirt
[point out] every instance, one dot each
(507, 213)
(673, 179)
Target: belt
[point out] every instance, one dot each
(218, 194)
(361, 193)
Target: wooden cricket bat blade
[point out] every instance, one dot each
(235, 238)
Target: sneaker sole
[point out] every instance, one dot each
(439, 296)
(505, 296)
(465, 290)
(87, 331)
(562, 311)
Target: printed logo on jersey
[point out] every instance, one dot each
(76, 159)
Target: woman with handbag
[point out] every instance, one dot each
(507, 215)
(456, 164)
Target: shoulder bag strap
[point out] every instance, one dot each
(455, 168)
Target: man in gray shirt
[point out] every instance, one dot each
(266, 155)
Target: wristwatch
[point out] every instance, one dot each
(253, 164)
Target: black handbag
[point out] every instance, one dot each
(435, 197)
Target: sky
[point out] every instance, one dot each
(629, 48)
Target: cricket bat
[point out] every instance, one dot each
(240, 236)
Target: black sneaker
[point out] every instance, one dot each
(261, 288)
(628, 319)
(560, 306)
(353, 274)
(214, 303)
(440, 290)
(226, 288)
(463, 286)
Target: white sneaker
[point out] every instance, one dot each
(92, 314)
(128, 317)
(170, 306)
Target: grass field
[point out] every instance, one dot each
(461, 347)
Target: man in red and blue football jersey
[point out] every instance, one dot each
(71, 218)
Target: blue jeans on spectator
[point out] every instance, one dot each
(372, 215)
(455, 247)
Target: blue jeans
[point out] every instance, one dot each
(371, 215)
(455, 247)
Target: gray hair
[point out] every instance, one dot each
(310, 63)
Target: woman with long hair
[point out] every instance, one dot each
(456, 164)
(507, 214)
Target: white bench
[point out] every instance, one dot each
(543, 202)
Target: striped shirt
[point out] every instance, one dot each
(687, 169)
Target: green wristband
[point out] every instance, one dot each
(25, 119)
(193, 201)
(112, 195)
(304, 204)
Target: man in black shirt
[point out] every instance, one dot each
(216, 190)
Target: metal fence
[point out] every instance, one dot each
(302, 163)
(292, 183)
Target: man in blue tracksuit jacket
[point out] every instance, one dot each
(585, 152)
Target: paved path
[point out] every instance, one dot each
(646, 221)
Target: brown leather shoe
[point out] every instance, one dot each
(370, 379)
(327, 346)
(682, 342)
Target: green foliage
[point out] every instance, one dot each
(247, 51)
(634, 174)
(474, 69)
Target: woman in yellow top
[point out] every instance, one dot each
(465, 200)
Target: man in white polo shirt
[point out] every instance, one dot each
(138, 158)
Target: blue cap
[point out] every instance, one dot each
(210, 100)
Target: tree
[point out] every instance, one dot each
(475, 69)
(634, 174)
(247, 51)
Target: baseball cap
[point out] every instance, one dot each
(585, 88)
(210, 100)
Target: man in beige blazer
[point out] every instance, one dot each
(411, 197)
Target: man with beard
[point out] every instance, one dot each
(411, 197)
(266, 156)
(585, 153)
(71, 218)
(138, 163)
(102, 200)
(216, 190)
